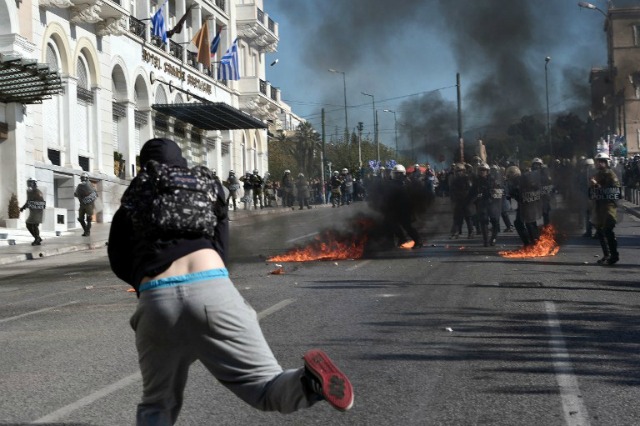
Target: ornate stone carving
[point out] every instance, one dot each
(89, 13)
(112, 26)
(63, 4)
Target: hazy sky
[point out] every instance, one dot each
(407, 53)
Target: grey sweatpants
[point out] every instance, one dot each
(206, 320)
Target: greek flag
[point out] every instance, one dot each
(157, 22)
(229, 68)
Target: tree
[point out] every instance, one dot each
(280, 157)
(570, 136)
(14, 207)
(307, 145)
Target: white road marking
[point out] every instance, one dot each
(275, 308)
(359, 265)
(82, 402)
(26, 314)
(575, 412)
(302, 237)
(129, 380)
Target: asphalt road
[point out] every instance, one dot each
(451, 334)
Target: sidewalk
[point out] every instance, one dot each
(17, 246)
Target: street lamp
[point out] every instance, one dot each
(375, 124)
(546, 85)
(346, 120)
(587, 5)
(395, 127)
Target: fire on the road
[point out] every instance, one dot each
(330, 245)
(546, 246)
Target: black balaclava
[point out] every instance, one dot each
(163, 151)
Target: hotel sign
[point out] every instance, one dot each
(159, 63)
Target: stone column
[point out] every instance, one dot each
(130, 130)
(70, 100)
(97, 146)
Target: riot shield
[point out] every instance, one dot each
(530, 201)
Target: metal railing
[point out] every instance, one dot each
(176, 49)
(272, 26)
(260, 16)
(156, 41)
(192, 59)
(136, 27)
(263, 87)
(221, 4)
(274, 93)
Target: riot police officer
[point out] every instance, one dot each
(302, 186)
(347, 187)
(86, 195)
(256, 185)
(459, 189)
(287, 189)
(233, 184)
(36, 205)
(604, 191)
(336, 189)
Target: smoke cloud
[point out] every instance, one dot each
(498, 47)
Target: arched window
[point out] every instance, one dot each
(52, 129)
(85, 101)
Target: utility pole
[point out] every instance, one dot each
(461, 141)
(323, 157)
(360, 127)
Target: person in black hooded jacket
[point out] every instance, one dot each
(188, 310)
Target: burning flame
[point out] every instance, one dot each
(545, 246)
(408, 244)
(329, 245)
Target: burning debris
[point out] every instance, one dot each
(546, 245)
(331, 245)
(408, 244)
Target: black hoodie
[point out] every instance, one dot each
(131, 258)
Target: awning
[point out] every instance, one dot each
(26, 81)
(211, 116)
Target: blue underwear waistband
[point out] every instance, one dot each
(184, 279)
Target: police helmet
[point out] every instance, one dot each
(300, 175)
(416, 166)
(255, 171)
(336, 173)
(513, 172)
(459, 167)
(602, 156)
(589, 162)
(286, 172)
(84, 177)
(345, 170)
(483, 166)
(536, 160)
(399, 169)
(382, 169)
(231, 172)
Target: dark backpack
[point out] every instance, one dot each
(171, 201)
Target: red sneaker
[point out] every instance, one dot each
(327, 380)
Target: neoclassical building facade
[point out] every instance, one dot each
(111, 85)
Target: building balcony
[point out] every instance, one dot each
(259, 98)
(109, 16)
(257, 28)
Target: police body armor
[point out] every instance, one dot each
(530, 199)
(497, 193)
(86, 193)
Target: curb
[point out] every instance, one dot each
(5, 260)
